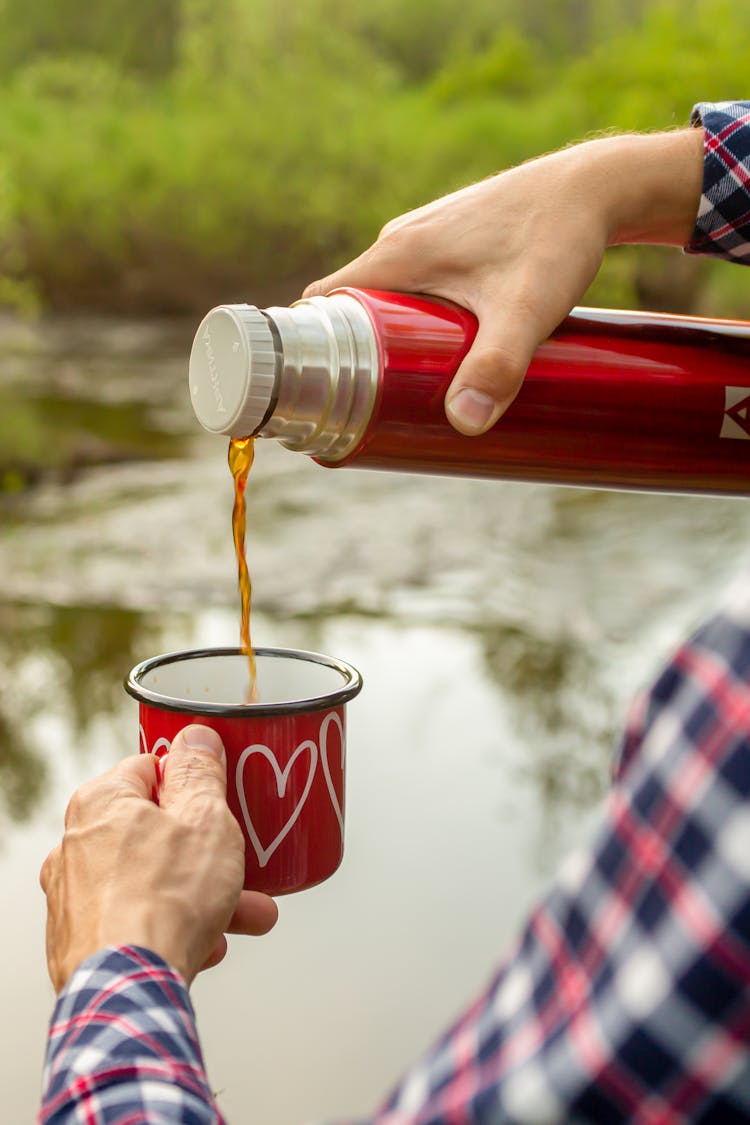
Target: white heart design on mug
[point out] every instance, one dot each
(332, 717)
(282, 777)
(160, 744)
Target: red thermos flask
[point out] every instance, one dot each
(624, 400)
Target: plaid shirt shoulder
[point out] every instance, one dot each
(123, 1048)
(627, 998)
(723, 224)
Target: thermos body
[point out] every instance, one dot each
(613, 399)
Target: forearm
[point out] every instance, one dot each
(123, 1047)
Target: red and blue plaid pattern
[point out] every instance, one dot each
(723, 224)
(123, 1047)
(627, 998)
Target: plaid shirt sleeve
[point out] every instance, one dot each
(723, 225)
(123, 1048)
(627, 998)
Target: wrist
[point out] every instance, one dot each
(134, 932)
(156, 932)
(650, 186)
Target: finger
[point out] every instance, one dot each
(365, 272)
(395, 262)
(492, 371)
(136, 776)
(254, 915)
(160, 764)
(196, 765)
(132, 777)
(217, 954)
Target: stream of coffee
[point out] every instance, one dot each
(241, 454)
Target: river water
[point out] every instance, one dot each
(500, 629)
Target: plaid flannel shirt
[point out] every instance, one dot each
(627, 997)
(723, 224)
(123, 1046)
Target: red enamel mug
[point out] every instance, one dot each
(285, 752)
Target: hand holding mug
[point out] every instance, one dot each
(167, 876)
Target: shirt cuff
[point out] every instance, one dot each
(123, 1036)
(722, 228)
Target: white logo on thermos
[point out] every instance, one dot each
(736, 421)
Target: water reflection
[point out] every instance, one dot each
(78, 394)
(570, 731)
(23, 770)
(95, 647)
(52, 438)
(65, 660)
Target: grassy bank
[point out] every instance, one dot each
(252, 146)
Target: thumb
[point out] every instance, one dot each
(491, 372)
(195, 765)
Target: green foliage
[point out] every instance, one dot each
(17, 291)
(648, 76)
(134, 34)
(183, 151)
(419, 37)
(510, 67)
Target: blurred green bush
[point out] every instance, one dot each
(161, 155)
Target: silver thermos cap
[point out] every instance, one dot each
(307, 375)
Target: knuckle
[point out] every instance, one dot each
(387, 230)
(387, 233)
(396, 237)
(315, 288)
(526, 299)
(192, 775)
(69, 847)
(89, 798)
(233, 831)
(202, 809)
(495, 361)
(400, 253)
(48, 872)
(76, 809)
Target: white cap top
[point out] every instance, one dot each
(232, 370)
